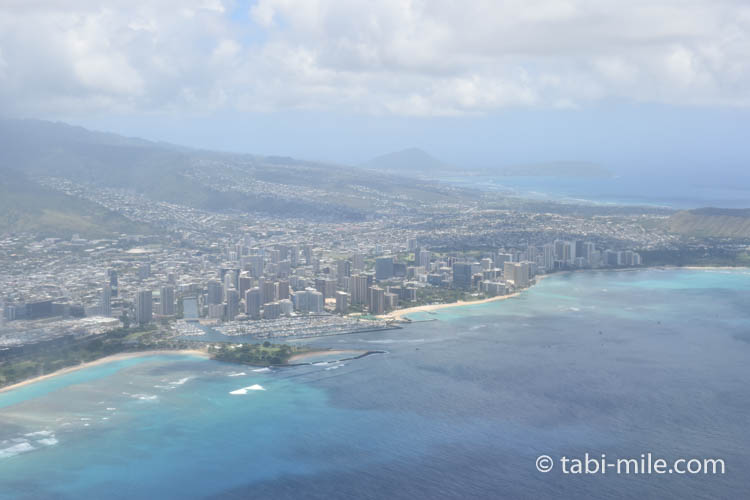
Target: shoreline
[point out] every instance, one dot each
(101, 361)
(399, 314)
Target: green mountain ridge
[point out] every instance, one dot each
(206, 180)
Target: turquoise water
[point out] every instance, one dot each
(620, 363)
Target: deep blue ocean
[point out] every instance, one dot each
(460, 406)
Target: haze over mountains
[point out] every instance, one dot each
(40, 161)
(410, 160)
(35, 155)
(414, 161)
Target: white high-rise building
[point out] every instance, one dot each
(253, 301)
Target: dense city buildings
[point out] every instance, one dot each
(213, 268)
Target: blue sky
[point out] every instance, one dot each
(636, 86)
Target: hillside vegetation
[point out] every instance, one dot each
(712, 222)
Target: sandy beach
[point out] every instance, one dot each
(400, 313)
(101, 361)
(301, 357)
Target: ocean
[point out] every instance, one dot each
(460, 406)
(676, 192)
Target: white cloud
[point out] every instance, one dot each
(415, 57)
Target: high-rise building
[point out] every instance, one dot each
(286, 306)
(233, 304)
(270, 291)
(256, 265)
(518, 273)
(390, 301)
(315, 301)
(229, 281)
(423, 258)
(342, 302)
(272, 310)
(299, 299)
(143, 307)
(549, 256)
(213, 292)
(283, 290)
(343, 270)
(358, 289)
(245, 284)
(328, 288)
(253, 301)
(112, 275)
(190, 308)
(376, 300)
(588, 251)
(294, 256)
(216, 311)
(166, 300)
(384, 268)
(462, 272)
(105, 301)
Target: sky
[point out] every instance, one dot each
(634, 86)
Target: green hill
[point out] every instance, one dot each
(213, 181)
(27, 206)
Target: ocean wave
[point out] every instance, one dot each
(237, 374)
(336, 366)
(181, 381)
(16, 449)
(262, 370)
(477, 327)
(243, 391)
(50, 441)
(39, 433)
(144, 397)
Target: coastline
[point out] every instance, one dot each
(101, 361)
(399, 314)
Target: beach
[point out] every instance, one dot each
(399, 314)
(102, 361)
